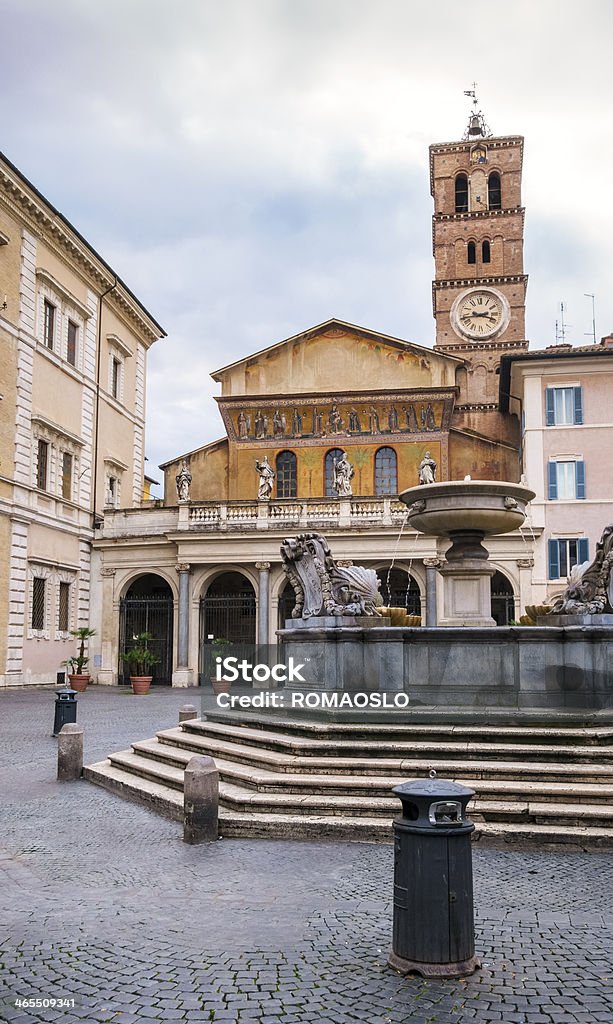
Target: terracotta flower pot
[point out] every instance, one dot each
(220, 685)
(79, 682)
(140, 684)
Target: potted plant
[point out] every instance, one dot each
(141, 659)
(77, 677)
(219, 685)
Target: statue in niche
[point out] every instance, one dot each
(343, 472)
(427, 470)
(183, 480)
(409, 411)
(590, 586)
(267, 476)
(354, 422)
(321, 585)
(278, 423)
(392, 419)
(335, 422)
(261, 424)
(296, 423)
(373, 421)
(244, 424)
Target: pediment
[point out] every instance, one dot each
(337, 355)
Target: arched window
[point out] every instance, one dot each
(386, 472)
(503, 601)
(471, 253)
(334, 453)
(494, 192)
(486, 254)
(287, 477)
(461, 194)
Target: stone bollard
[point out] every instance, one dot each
(70, 753)
(186, 712)
(200, 800)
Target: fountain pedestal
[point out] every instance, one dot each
(467, 511)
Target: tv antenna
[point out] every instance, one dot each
(589, 295)
(562, 327)
(477, 127)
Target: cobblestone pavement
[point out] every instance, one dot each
(105, 905)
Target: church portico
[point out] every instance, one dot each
(227, 581)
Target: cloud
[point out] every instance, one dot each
(251, 169)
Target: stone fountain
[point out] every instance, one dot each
(564, 661)
(467, 511)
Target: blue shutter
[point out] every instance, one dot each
(578, 406)
(580, 479)
(552, 480)
(583, 549)
(550, 417)
(554, 560)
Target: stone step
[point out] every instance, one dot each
(168, 802)
(279, 761)
(307, 745)
(269, 780)
(354, 803)
(432, 727)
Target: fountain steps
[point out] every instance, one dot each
(273, 793)
(405, 745)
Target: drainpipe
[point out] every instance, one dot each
(95, 521)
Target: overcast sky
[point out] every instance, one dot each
(251, 168)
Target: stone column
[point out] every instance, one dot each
(106, 675)
(525, 566)
(263, 602)
(431, 566)
(183, 674)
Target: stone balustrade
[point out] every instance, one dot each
(278, 513)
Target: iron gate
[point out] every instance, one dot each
(152, 614)
(226, 616)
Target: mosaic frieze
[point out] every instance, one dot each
(338, 419)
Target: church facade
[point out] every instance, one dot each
(205, 562)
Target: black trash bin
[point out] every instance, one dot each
(433, 930)
(65, 708)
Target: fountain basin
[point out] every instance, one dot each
(488, 507)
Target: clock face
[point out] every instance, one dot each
(479, 313)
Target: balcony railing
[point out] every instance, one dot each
(306, 513)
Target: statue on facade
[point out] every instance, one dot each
(590, 586)
(267, 476)
(427, 470)
(183, 480)
(343, 472)
(321, 585)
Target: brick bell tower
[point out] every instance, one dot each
(479, 291)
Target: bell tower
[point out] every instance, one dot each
(479, 291)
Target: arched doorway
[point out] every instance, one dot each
(287, 601)
(227, 612)
(503, 600)
(147, 608)
(399, 590)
